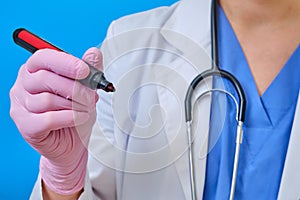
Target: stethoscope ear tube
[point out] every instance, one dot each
(240, 117)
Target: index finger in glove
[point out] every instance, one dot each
(94, 57)
(58, 62)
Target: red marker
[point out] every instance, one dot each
(32, 43)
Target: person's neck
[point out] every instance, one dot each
(261, 12)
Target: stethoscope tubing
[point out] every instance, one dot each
(214, 71)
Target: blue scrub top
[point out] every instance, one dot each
(267, 126)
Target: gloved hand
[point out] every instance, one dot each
(55, 114)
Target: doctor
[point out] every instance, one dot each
(137, 147)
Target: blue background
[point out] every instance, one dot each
(72, 25)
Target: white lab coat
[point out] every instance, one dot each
(138, 148)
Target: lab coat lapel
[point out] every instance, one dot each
(188, 30)
(290, 181)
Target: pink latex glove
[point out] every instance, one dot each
(55, 114)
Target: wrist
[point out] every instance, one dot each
(64, 179)
(48, 194)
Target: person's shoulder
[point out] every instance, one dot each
(151, 18)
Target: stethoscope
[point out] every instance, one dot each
(215, 71)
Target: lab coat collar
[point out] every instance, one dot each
(290, 181)
(191, 19)
(188, 30)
